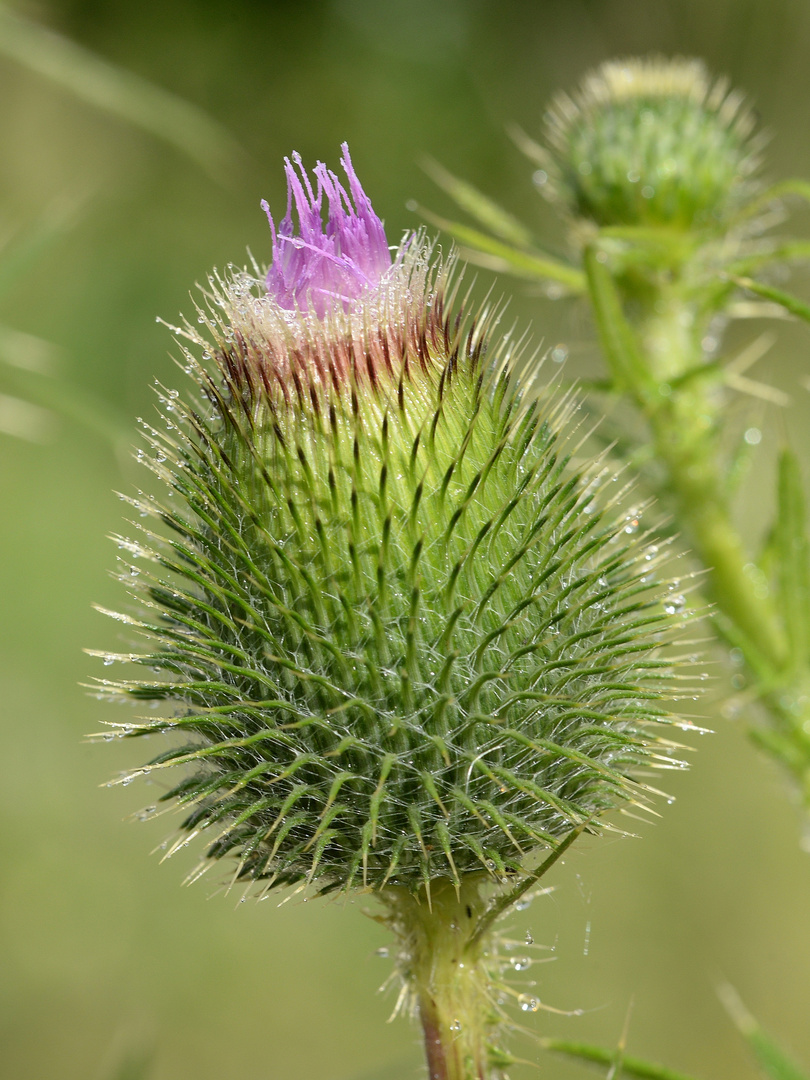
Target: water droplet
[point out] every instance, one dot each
(632, 522)
(587, 943)
(540, 177)
(529, 939)
(633, 176)
(520, 963)
(753, 436)
(528, 1003)
(455, 1025)
(108, 660)
(651, 552)
(559, 354)
(674, 604)
(523, 903)
(382, 952)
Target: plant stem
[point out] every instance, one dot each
(443, 962)
(653, 342)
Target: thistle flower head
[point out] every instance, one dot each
(651, 141)
(398, 637)
(330, 264)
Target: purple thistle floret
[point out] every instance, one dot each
(331, 263)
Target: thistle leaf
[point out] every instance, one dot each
(496, 255)
(630, 1066)
(790, 303)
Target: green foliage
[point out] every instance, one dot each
(401, 637)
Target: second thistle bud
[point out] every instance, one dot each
(651, 142)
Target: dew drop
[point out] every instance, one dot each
(523, 903)
(559, 354)
(674, 604)
(383, 952)
(455, 1025)
(528, 1003)
(632, 522)
(107, 661)
(520, 963)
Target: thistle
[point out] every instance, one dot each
(404, 645)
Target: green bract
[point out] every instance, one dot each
(400, 638)
(651, 142)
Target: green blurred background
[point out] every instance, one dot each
(104, 959)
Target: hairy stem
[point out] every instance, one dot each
(443, 962)
(653, 345)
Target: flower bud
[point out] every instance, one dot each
(651, 142)
(397, 637)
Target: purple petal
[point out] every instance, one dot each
(329, 264)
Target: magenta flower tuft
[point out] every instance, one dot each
(331, 263)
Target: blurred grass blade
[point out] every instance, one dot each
(631, 1067)
(508, 260)
(27, 351)
(134, 1065)
(60, 396)
(792, 559)
(23, 251)
(785, 300)
(122, 93)
(772, 1060)
(22, 420)
(480, 206)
